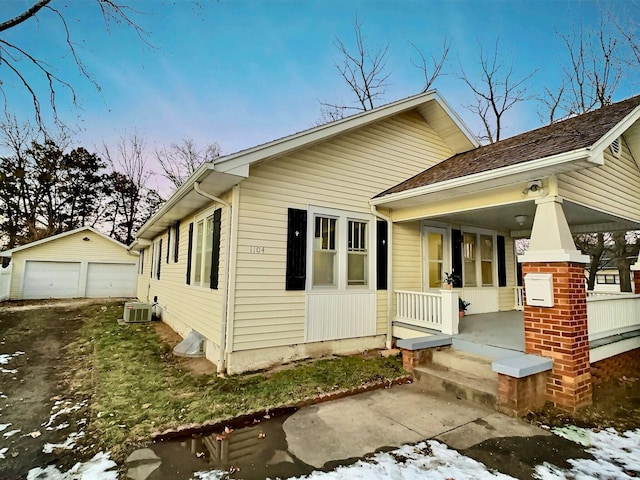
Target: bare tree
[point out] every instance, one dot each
(364, 72)
(495, 93)
(180, 160)
(132, 201)
(597, 62)
(594, 246)
(20, 62)
(432, 71)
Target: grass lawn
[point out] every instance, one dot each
(137, 386)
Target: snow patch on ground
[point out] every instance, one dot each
(2, 452)
(10, 433)
(63, 407)
(68, 444)
(616, 456)
(98, 468)
(5, 358)
(4, 426)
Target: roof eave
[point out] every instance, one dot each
(220, 183)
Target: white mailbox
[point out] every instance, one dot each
(539, 289)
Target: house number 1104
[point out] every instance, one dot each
(256, 249)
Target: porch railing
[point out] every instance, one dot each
(519, 298)
(436, 311)
(611, 314)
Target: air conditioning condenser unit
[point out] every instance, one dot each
(137, 312)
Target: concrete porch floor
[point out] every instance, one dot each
(492, 331)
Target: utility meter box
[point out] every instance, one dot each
(539, 289)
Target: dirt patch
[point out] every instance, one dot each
(616, 404)
(34, 398)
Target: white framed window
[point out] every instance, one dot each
(202, 252)
(156, 254)
(357, 253)
(341, 252)
(436, 255)
(478, 258)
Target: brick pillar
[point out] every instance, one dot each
(560, 332)
(636, 281)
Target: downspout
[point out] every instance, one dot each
(389, 273)
(221, 367)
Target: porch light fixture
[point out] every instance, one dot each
(521, 219)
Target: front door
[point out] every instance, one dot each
(436, 259)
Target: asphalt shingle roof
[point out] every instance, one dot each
(564, 136)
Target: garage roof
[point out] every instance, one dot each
(9, 253)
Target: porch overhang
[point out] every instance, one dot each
(491, 179)
(493, 199)
(186, 200)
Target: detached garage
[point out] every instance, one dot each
(79, 263)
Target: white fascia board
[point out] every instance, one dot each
(305, 138)
(603, 143)
(479, 178)
(197, 176)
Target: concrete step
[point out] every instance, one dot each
(470, 364)
(462, 375)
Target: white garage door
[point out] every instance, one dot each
(51, 279)
(111, 280)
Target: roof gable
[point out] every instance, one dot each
(219, 176)
(591, 132)
(8, 253)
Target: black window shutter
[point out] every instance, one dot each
(176, 242)
(382, 255)
(215, 254)
(168, 242)
(141, 262)
(456, 260)
(159, 259)
(152, 250)
(189, 249)
(502, 262)
(296, 249)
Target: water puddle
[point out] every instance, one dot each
(256, 451)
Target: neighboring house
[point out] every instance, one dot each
(607, 281)
(317, 243)
(79, 263)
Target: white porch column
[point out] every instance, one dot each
(450, 317)
(551, 239)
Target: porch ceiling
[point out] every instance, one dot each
(581, 219)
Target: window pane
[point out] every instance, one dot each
(487, 274)
(469, 249)
(197, 275)
(357, 266)
(435, 274)
(357, 273)
(208, 249)
(324, 268)
(486, 251)
(435, 246)
(325, 234)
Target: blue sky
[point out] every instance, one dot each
(242, 72)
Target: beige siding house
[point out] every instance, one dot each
(337, 239)
(78, 263)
